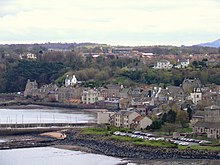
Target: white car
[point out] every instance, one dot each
(117, 133)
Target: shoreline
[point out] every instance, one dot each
(104, 146)
(25, 103)
(37, 106)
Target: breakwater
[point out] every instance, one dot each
(107, 146)
(30, 128)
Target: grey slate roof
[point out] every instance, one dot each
(207, 125)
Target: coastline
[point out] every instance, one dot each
(105, 146)
(102, 145)
(50, 106)
(24, 103)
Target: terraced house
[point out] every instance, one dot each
(211, 123)
(125, 118)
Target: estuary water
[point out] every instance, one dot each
(54, 156)
(45, 115)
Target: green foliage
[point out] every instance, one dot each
(153, 143)
(171, 116)
(156, 124)
(51, 65)
(185, 130)
(43, 72)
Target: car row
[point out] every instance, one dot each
(145, 136)
(191, 140)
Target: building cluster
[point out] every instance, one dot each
(165, 64)
(134, 107)
(29, 56)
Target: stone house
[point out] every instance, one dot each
(123, 103)
(125, 118)
(196, 96)
(31, 89)
(211, 123)
(89, 96)
(197, 117)
(188, 85)
(104, 117)
(103, 92)
(141, 122)
(113, 90)
(68, 93)
(175, 93)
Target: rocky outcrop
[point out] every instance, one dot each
(122, 149)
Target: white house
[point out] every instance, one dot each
(182, 63)
(70, 81)
(163, 64)
(196, 96)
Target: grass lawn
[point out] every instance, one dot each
(185, 130)
(95, 131)
(102, 131)
(151, 143)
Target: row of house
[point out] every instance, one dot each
(165, 64)
(141, 102)
(208, 122)
(124, 119)
(118, 96)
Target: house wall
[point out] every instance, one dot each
(118, 120)
(211, 132)
(196, 97)
(89, 97)
(212, 116)
(104, 117)
(145, 122)
(131, 117)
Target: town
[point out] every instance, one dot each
(156, 97)
(141, 105)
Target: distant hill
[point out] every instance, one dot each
(214, 44)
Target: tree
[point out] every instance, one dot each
(156, 124)
(171, 116)
(190, 113)
(169, 127)
(182, 118)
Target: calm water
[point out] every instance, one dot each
(54, 156)
(45, 115)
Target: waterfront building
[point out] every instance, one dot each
(125, 118)
(211, 122)
(89, 96)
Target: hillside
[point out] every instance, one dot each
(214, 44)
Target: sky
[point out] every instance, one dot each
(114, 22)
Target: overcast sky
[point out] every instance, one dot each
(115, 22)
